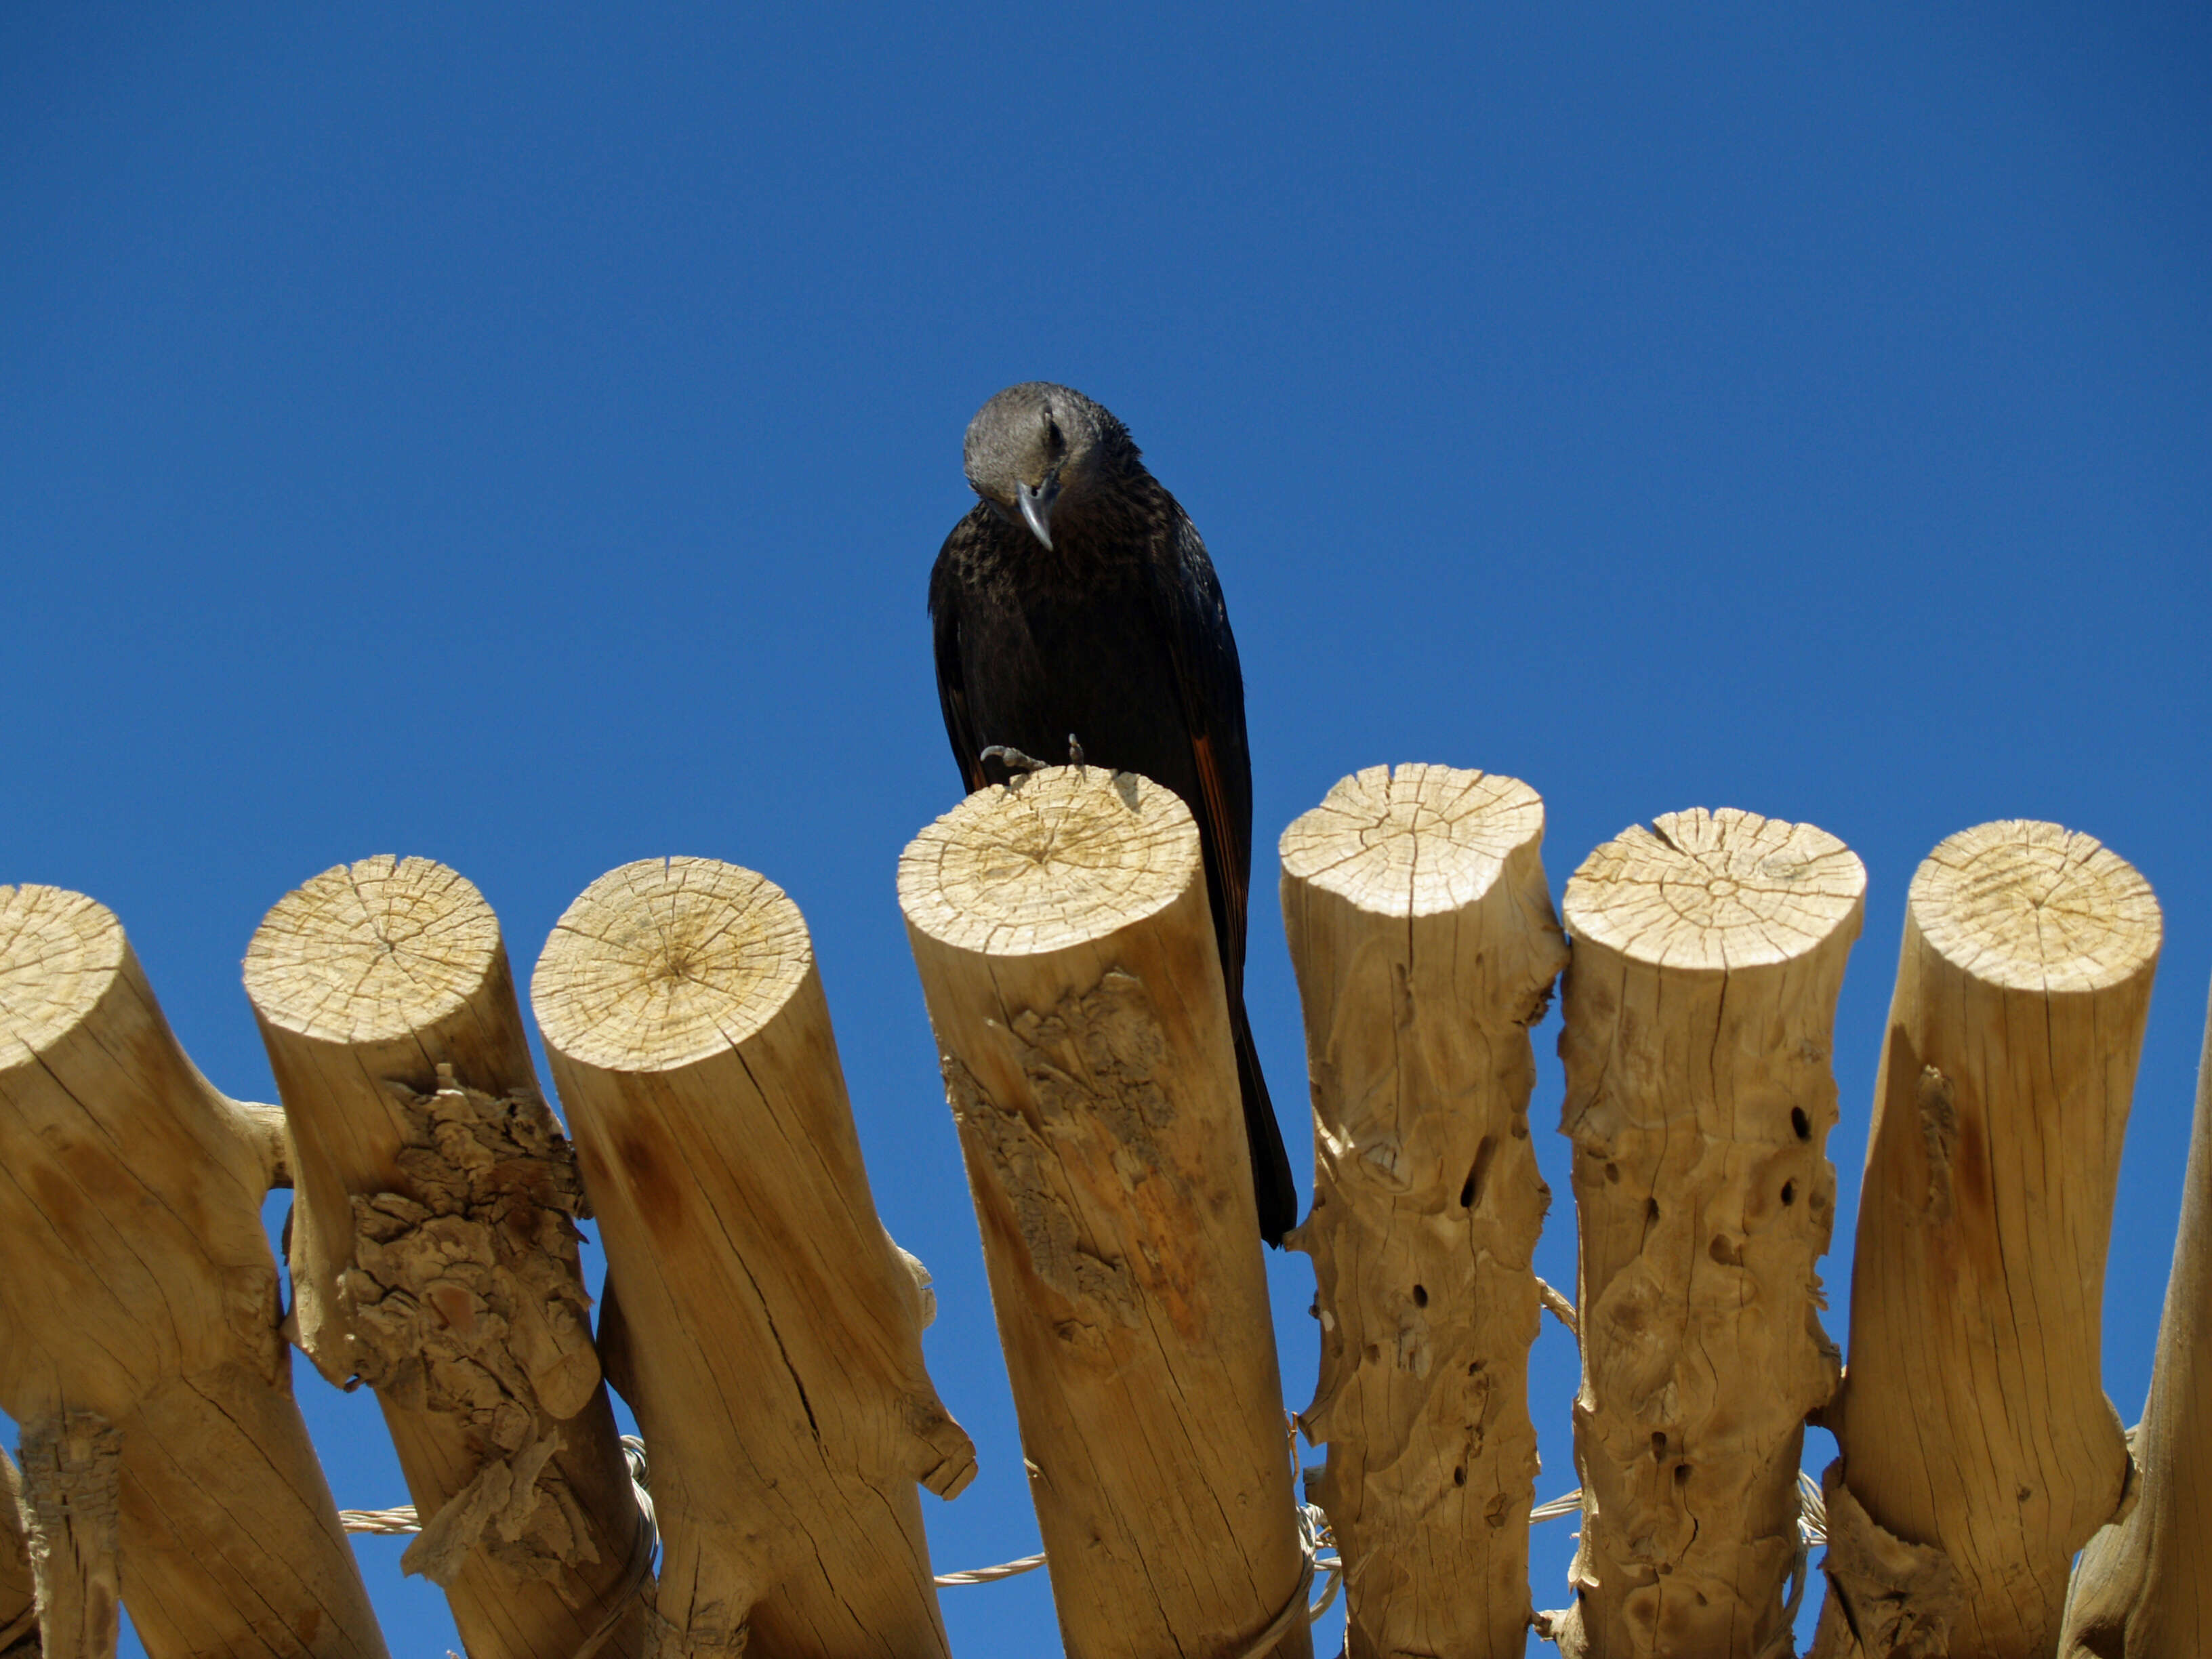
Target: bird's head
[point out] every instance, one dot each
(1038, 448)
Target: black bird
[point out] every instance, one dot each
(1077, 613)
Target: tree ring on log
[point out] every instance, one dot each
(372, 951)
(2034, 907)
(1720, 890)
(1419, 840)
(667, 961)
(1056, 863)
(59, 952)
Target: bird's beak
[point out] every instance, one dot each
(1036, 502)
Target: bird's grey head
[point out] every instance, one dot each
(1038, 448)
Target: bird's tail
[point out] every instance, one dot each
(1272, 1182)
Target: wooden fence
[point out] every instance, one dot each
(768, 1331)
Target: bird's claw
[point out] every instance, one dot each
(1012, 758)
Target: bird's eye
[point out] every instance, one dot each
(1052, 440)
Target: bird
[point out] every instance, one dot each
(1075, 605)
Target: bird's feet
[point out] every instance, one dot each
(1015, 761)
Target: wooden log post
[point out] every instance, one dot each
(1066, 954)
(1978, 1450)
(164, 1459)
(19, 1607)
(1426, 945)
(773, 1330)
(2143, 1589)
(433, 1252)
(1698, 1021)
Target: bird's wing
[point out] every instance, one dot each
(951, 678)
(1213, 686)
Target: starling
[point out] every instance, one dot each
(1076, 612)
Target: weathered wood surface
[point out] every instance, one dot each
(1978, 1450)
(71, 1504)
(434, 1250)
(19, 1612)
(1066, 953)
(773, 1330)
(2143, 1589)
(164, 1455)
(1698, 1022)
(1426, 945)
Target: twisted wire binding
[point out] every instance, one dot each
(392, 1523)
(1317, 1544)
(992, 1575)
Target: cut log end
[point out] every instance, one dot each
(1070, 855)
(1722, 889)
(2033, 907)
(371, 951)
(666, 962)
(1412, 840)
(59, 953)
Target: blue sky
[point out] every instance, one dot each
(521, 439)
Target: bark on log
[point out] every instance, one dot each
(139, 1308)
(2143, 1589)
(1700, 1012)
(1974, 1431)
(774, 1331)
(1066, 953)
(434, 1253)
(1426, 945)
